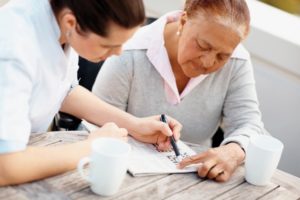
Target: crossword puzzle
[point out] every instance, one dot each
(174, 159)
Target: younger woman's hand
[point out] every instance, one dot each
(109, 130)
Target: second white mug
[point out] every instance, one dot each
(262, 157)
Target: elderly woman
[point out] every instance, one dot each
(190, 64)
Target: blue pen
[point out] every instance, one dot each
(172, 139)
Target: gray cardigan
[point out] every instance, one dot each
(228, 96)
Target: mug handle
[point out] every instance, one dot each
(84, 161)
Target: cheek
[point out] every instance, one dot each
(87, 48)
(183, 54)
(80, 46)
(186, 53)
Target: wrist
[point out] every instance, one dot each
(238, 151)
(133, 125)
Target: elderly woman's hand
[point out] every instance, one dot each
(152, 130)
(217, 163)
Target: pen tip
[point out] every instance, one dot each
(179, 158)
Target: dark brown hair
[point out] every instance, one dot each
(235, 10)
(96, 15)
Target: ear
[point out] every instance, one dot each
(68, 21)
(182, 21)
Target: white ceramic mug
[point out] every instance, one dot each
(262, 157)
(108, 165)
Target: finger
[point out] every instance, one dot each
(206, 167)
(161, 138)
(199, 158)
(215, 171)
(223, 176)
(123, 132)
(167, 144)
(164, 145)
(164, 128)
(176, 127)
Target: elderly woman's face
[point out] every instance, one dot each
(205, 46)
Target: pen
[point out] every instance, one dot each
(172, 139)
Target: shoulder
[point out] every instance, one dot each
(127, 64)
(131, 57)
(240, 59)
(18, 43)
(240, 52)
(16, 31)
(146, 35)
(141, 39)
(238, 65)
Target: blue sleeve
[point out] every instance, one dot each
(11, 146)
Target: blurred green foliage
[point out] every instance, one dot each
(291, 6)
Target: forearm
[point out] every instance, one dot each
(85, 105)
(40, 162)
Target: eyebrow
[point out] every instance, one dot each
(206, 43)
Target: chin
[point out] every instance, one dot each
(191, 74)
(94, 60)
(191, 71)
(194, 73)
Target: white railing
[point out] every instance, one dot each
(274, 44)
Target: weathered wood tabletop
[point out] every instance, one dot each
(177, 186)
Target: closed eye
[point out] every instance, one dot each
(202, 48)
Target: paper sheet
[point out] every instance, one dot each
(146, 159)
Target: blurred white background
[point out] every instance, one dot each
(2, 2)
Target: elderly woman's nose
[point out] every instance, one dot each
(208, 60)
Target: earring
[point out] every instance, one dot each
(178, 33)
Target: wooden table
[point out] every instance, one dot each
(178, 186)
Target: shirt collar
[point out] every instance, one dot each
(52, 19)
(44, 13)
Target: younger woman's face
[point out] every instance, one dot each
(96, 48)
(205, 45)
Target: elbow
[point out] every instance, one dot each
(4, 181)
